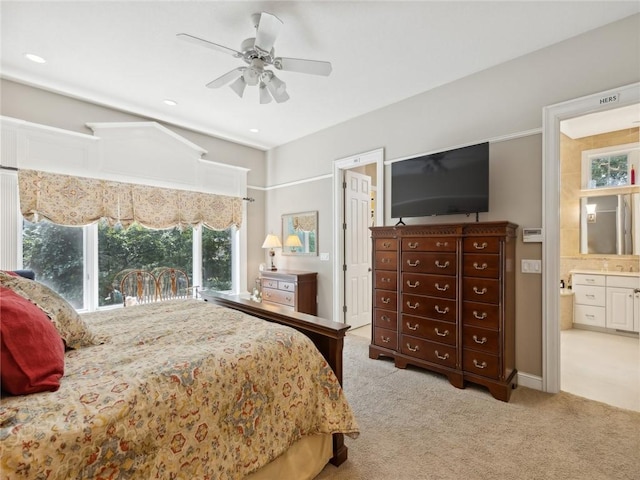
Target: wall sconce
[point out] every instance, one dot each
(591, 212)
(293, 242)
(272, 242)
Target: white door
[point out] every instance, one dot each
(357, 246)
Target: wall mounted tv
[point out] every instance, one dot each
(444, 183)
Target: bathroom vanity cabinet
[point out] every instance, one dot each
(609, 300)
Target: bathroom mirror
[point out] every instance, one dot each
(609, 224)
(300, 233)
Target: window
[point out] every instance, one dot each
(609, 167)
(61, 257)
(216, 259)
(56, 254)
(139, 248)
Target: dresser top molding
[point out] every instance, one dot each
(465, 229)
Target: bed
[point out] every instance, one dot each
(175, 389)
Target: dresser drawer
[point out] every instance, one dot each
(435, 308)
(278, 296)
(481, 339)
(623, 281)
(443, 286)
(485, 315)
(386, 260)
(421, 262)
(439, 244)
(382, 244)
(287, 286)
(589, 315)
(429, 351)
(386, 279)
(481, 265)
(587, 295)
(386, 338)
(385, 319)
(481, 244)
(429, 329)
(385, 299)
(480, 363)
(484, 290)
(269, 283)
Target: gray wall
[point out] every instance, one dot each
(503, 100)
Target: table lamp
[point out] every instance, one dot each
(272, 242)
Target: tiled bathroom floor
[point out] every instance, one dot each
(601, 366)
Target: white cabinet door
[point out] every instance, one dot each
(620, 308)
(636, 316)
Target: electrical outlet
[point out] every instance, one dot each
(324, 257)
(531, 266)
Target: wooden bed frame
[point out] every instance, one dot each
(327, 335)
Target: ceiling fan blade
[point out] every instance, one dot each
(268, 30)
(226, 78)
(278, 91)
(313, 67)
(208, 44)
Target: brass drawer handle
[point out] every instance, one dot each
(442, 289)
(480, 247)
(479, 365)
(385, 339)
(443, 334)
(442, 244)
(413, 327)
(288, 299)
(385, 300)
(413, 245)
(413, 349)
(385, 280)
(386, 260)
(479, 267)
(413, 307)
(412, 285)
(385, 318)
(442, 357)
(480, 317)
(442, 265)
(267, 294)
(483, 340)
(386, 244)
(414, 264)
(441, 312)
(480, 292)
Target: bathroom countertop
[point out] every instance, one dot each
(607, 272)
(565, 292)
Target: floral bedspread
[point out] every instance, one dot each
(178, 390)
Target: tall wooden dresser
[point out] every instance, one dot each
(290, 289)
(444, 300)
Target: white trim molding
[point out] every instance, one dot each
(551, 117)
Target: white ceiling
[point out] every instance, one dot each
(126, 54)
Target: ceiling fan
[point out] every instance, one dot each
(258, 53)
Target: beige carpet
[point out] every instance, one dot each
(415, 425)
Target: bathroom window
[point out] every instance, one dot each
(609, 167)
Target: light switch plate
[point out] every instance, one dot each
(531, 266)
(324, 257)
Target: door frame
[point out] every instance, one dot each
(551, 117)
(373, 156)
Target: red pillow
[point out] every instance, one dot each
(31, 350)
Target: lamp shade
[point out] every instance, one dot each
(293, 241)
(271, 241)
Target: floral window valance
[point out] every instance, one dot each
(75, 201)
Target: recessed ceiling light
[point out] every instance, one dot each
(254, 130)
(173, 103)
(35, 58)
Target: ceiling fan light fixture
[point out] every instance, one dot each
(238, 86)
(280, 95)
(265, 97)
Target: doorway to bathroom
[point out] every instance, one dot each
(589, 362)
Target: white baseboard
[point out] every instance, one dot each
(530, 381)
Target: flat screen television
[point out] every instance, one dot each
(444, 183)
